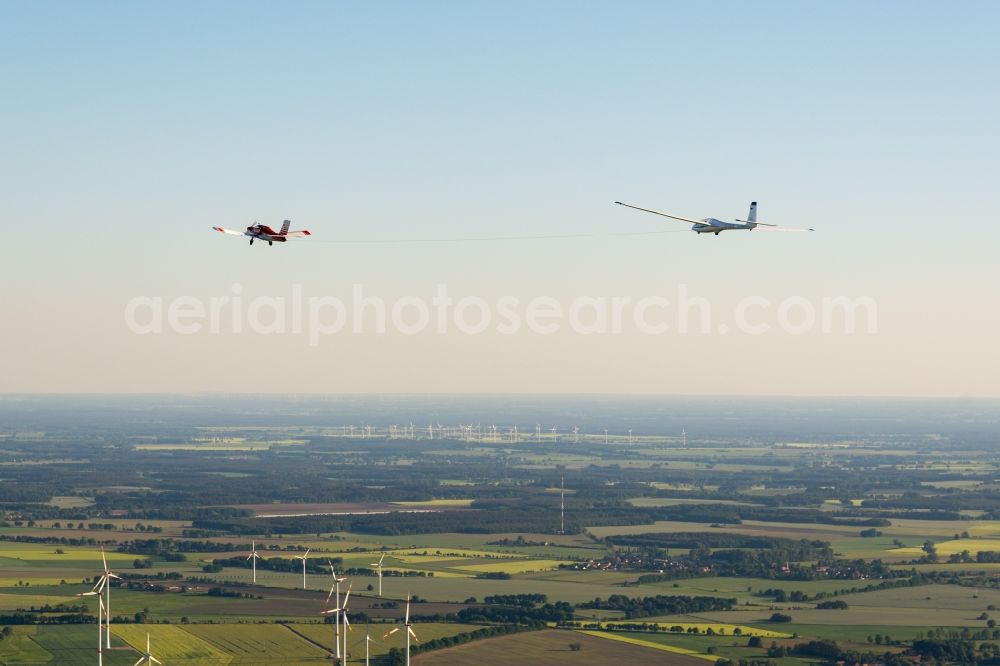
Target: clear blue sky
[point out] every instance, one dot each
(130, 128)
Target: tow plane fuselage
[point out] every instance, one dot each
(263, 232)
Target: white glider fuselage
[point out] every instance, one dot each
(710, 225)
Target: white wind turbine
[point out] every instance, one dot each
(104, 585)
(368, 641)
(100, 612)
(378, 568)
(253, 557)
(335, 587)
(409, 631)
(303, 558)
(147, 657)
(336, 612)
(347, 623)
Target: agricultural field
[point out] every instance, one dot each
(481, 534)
(323, 635)
(552, 648)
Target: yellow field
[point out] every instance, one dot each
(952, 546)
(13, 601)
(650, 644)
(170, 643)
(45, 552)
(423, 555)
(513, 567)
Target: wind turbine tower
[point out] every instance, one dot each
(336, 587)
(303, 558)
(409, 630)
(253, 557)
(562, 505)
(100, 612)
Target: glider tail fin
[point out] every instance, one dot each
(752, 215)
(288, 223)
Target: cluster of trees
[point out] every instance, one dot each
(515, 599)
(171, 549)
(283, 564)
(62, 541)
(833, 604)
(232, 594)
(560, 611)
(634, 607)
(26, 617)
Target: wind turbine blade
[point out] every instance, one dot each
(105, 559)
(347, 596)
(332, 588)
(407, 610)
(347, 622)
(412, 634)
(390, 633)
(380, 559)
(111, 575)
(139, 662)
(152, 658)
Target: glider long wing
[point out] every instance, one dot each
(656, 212)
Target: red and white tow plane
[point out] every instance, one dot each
(266, 233)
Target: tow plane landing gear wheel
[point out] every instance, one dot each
(251, 241)
(270, 242)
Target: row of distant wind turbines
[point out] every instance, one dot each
(102, 590)
(474, 432)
